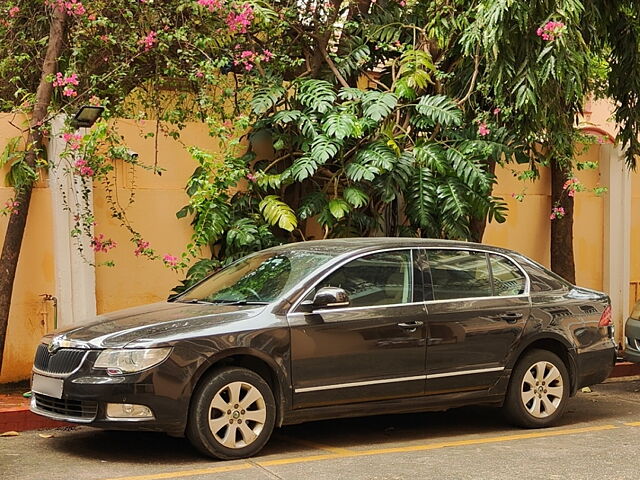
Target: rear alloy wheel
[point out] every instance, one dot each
(232, 414)
(538, 390)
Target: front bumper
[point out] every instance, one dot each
(632, 340)
(86, 394)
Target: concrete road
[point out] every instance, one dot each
(599, 438)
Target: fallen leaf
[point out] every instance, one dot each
(46, 435)
(586, 390)
(10, 433)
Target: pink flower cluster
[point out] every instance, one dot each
(66, 82)
(72, 7)
(252, 178)
(83, 169)
(11, 206)
(551, 30)
(149, 41)
(239, 21)
(557, 212)
(72, 140)
(170, 260)
(483, 130)
(248, 58)
(13, 11)
(211, 5)
(142, 247)
(571, 186)
(100, 244)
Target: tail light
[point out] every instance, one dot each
(605, 318)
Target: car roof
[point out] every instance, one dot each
(338, 246)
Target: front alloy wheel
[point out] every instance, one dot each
(232, 414)
(538, 390)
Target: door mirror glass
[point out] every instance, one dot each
(328, 297)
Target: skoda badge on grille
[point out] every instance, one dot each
(55, 344)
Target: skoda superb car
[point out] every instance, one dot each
(328, 329)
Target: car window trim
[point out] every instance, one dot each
(343, 262)
(527, 283)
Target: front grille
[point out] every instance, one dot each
(86, 410)
(65, 360)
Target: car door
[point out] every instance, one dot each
(477, 306)
(372, 349)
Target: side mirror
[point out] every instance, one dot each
(330, 297)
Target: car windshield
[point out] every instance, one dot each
(259, 278)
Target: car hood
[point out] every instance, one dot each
(157, 323)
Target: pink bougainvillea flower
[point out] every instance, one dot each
(69, 92)
(551, 31)
(141, 247)
(149, 41)
(240, 20)
(251, 177)
(497, 110)
(13, 11)
(170, 260)
(483, 130)
(100, 244)
(211, 5)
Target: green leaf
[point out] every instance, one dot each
(355, 196)
(356, 171)
(324, 148)
(421, 200)
(439, 109)
(312, 205)
(378, 105)
(266, 98)
(339, 207)
(316, 95)
(340, 125)
(276, 212)
(304, 167)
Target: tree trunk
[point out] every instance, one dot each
(18, 221)
(477, 226)
(562, 261)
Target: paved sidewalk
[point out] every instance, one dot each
(15, 415)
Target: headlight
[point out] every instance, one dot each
(130, 361)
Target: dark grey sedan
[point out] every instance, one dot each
(329, 329)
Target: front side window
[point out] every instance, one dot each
(507, 278)
(458, 274)
(378, 279)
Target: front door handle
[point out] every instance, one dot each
(411, 326)
(511, 317)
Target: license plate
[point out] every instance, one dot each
(52, 387)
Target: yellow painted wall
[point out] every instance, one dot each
(35, 274)
(528, 227)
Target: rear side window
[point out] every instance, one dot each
(458, 274)
(507, 278)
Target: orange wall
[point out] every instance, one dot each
(528, 227)
(35, 274)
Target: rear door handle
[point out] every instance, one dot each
(411, 326)
(511, 317)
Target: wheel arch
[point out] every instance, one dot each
(553, 343)
(253, 360)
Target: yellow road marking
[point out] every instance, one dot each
(187, 473)
(344, 453)
(633, 424)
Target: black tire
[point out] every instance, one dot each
(232, 430)
(536, 402)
